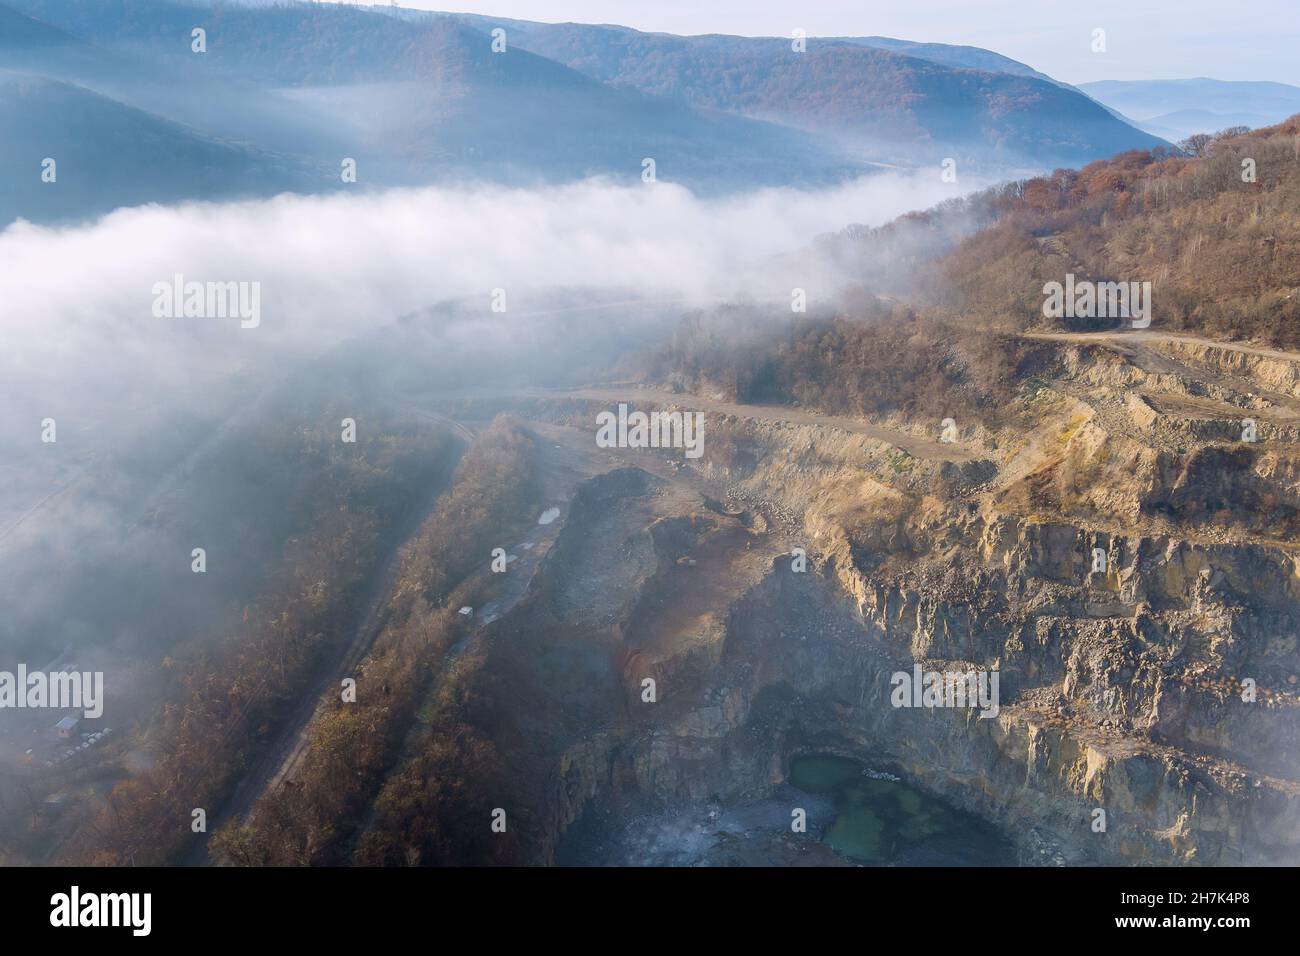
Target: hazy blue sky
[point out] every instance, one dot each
(1146, 39)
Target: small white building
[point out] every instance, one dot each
(67, 726)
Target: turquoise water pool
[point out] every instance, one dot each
(884, 822)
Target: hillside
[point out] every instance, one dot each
(422, 98)
(413, 101)
(907, 102)
(962, 57)
(109, 154)
(1220, 253)
(886, 100)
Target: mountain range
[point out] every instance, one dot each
(1176, 109)
(282, 94)
(906, 102)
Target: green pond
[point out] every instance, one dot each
(885, 822)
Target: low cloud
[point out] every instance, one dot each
(335, 266)
(80, 343)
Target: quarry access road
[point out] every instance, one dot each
(1279, 387)
(1120, 337)
(917, 446)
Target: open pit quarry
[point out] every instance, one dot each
(1124, 559)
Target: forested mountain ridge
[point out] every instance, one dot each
(421, 98)
(900, 98)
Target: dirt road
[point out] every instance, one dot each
(1120, 337)
(917, 447)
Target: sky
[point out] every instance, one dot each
(1145, 39)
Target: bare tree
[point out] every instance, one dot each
(1196, 145)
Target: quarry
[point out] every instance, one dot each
(1120, 689)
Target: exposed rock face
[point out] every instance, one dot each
(1127, 571)
(798, 676)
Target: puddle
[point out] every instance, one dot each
(854, 818)
(883, 821)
